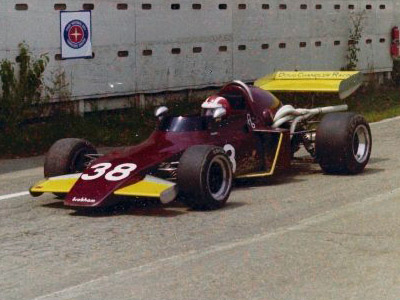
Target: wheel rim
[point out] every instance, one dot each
(361, 144)
(219, 179)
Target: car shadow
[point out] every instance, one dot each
(367, 172)
(137, 207)
(375, 160)
(281, 177)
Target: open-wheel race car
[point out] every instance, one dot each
(242, 132)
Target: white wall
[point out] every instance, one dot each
(161, 29)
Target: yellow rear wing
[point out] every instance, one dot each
(342, 82)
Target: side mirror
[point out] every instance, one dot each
(160, 111)
(219, 113)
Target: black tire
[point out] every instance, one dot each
(204, 177)
(67, 156)
(343, 143)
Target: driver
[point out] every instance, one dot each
(214, 102)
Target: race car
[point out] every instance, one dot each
(242, 131)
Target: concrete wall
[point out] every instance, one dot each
(198, 43)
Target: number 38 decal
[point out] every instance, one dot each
(231, 152)
(118, 173)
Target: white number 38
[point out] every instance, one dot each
(118, 173)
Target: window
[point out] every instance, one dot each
(88, 6)
(265, 46)
(60, 6)
(122, 6)
(21, 6)
(123, 53)
(197, 49)
(146, 6)
(147, 52)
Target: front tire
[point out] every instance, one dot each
(204, 177)
(343, 143)
(67, 156)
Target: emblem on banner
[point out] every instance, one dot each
(76, 34)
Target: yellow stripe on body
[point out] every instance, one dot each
(271, 171)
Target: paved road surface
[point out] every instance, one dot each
(303, 235)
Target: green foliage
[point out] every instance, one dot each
(22, 88)
(355, 34)
(396, 72)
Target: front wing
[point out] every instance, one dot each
(149, 186)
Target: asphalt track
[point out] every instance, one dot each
(299, 235)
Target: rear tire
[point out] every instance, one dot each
(343, 143)
(67, 156)
(204, 177)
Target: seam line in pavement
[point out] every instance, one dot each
(195, 254)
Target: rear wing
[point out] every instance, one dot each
(342, 82)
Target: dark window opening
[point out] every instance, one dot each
(146, 6)
(88, 6)
(197, 49)
(122, 6)
(147, 52)
(123, 53)
(60, 6)
(265, 46)
(21, 6)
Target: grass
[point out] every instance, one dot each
(131, 126)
